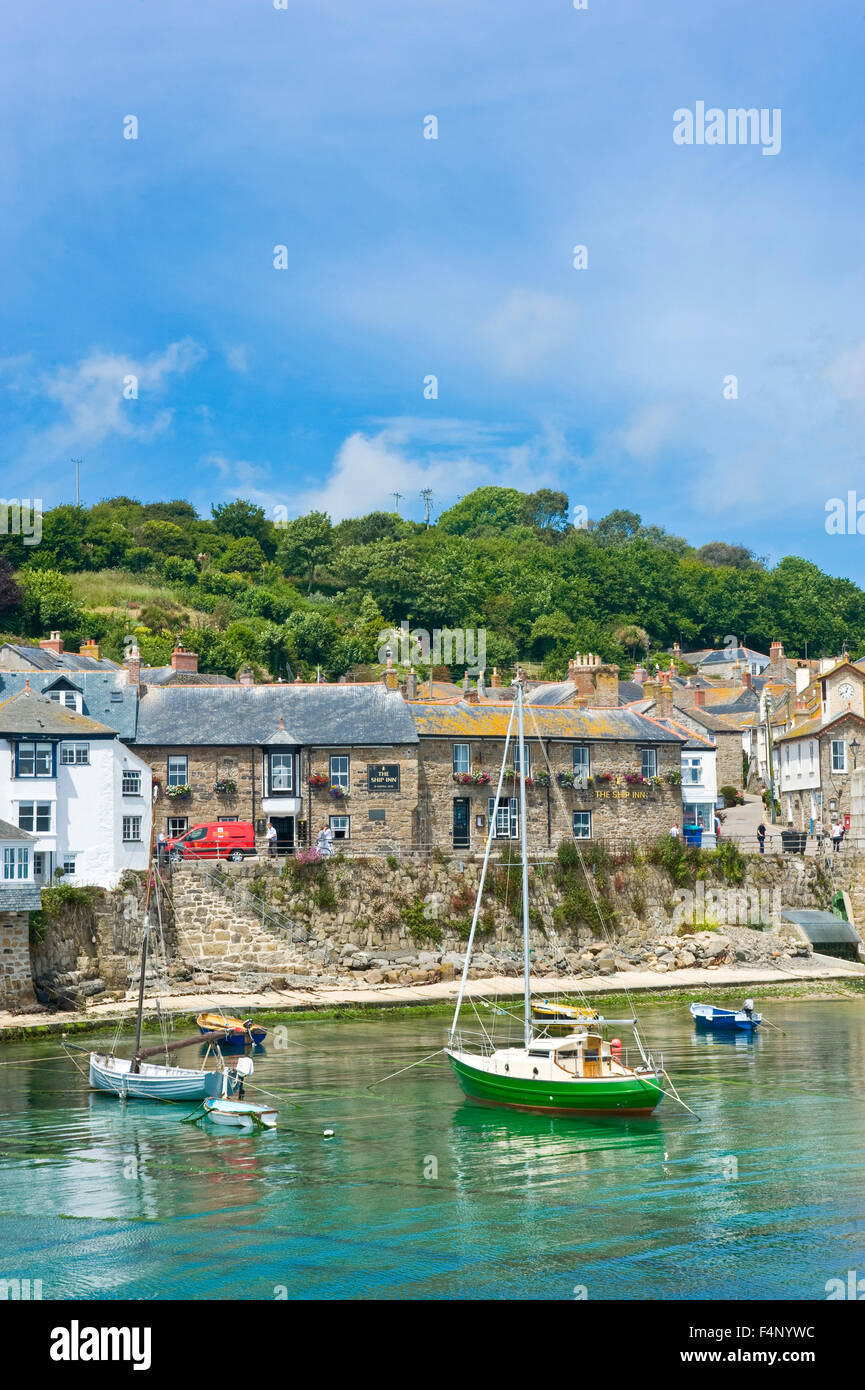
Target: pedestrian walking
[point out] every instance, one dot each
(818, 832)
(271, 839)
(674, 831)
(837, 836)
(324, 841)
(761, 837)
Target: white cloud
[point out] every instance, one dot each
(91, 399)
(237, 359)
(529, 328)
(647, 434)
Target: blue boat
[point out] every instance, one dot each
(744, 1020)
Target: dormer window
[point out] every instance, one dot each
(68, 698)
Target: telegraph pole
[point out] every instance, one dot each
(77, 463)
(397, 497)
(426, 494)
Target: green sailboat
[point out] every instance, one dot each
(576, 1072)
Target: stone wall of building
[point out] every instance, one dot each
(620, 812)
(16, 984)
(393, 799)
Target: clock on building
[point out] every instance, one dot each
(846, 690)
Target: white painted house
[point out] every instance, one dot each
(71, 783)
(699, 779)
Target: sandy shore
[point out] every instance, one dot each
(814, 970)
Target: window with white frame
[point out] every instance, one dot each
(339, 772)
(692, 771)
(130, 782)
(178, 770)
(582, 825)
(75, 754)
(812, 755)
(35, 815)
(528, 759)
(69, 864)
(839, 755)
(505, 820)
(177, 825)
(582, 763)
(35, 760)
(16, 862)
(650, 762)
(131, 829)
(281, 772)
(341, 827)
(462, 758)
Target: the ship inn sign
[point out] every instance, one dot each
(382, 777)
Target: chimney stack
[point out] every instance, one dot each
(54, 643)
(89, 648)
(606, 687)
(411, 685)
(664, 701)
(746, 680)
(677, 652)
(803, 678)
(482, 688)
(390, 677)
(495, 678)
(132, 662)
(700, 697)
(471, 697)
(183, 660)
(246, 676)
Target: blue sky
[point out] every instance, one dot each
(407, 257)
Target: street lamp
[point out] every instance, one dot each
(854, 749)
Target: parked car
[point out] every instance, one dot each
(232, 840)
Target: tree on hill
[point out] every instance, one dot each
(242, 518)
(735, 557)
(11, 593)
(305, 543)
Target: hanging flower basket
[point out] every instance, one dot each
(225, 786)
(674, 779)
(636, 779)
(603, 776)
(338, 793)
(317, 779)
(477, 778)
(542, 779)
(181, 793)
(565, 779)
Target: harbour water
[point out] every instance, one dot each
(421, 1195)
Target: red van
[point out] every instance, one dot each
(224, 839)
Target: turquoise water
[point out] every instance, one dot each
(762, 1198)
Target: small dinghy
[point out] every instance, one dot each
(242, 1114)
(744, 1020)
(237, 1031)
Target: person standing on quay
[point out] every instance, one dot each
(761, 837)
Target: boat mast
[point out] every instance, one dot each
(527, 1007)
(150, 875)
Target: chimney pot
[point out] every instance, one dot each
(54, 643)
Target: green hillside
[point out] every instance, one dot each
(242, 589)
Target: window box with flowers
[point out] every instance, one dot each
(225, 786)
(603, 777)
(542, 779)
(636, 779)
(318, 779)
(477, 778)
(674, 778)
(181, 793)
(338, 793)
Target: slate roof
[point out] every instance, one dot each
(561, 722)
(249, 715)
(697, 743)
(166, 675)
(725, 655)
(41, 659)
(809, 727)
(97, 689)
(707, 717)
(14, 832)
(29, 713)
